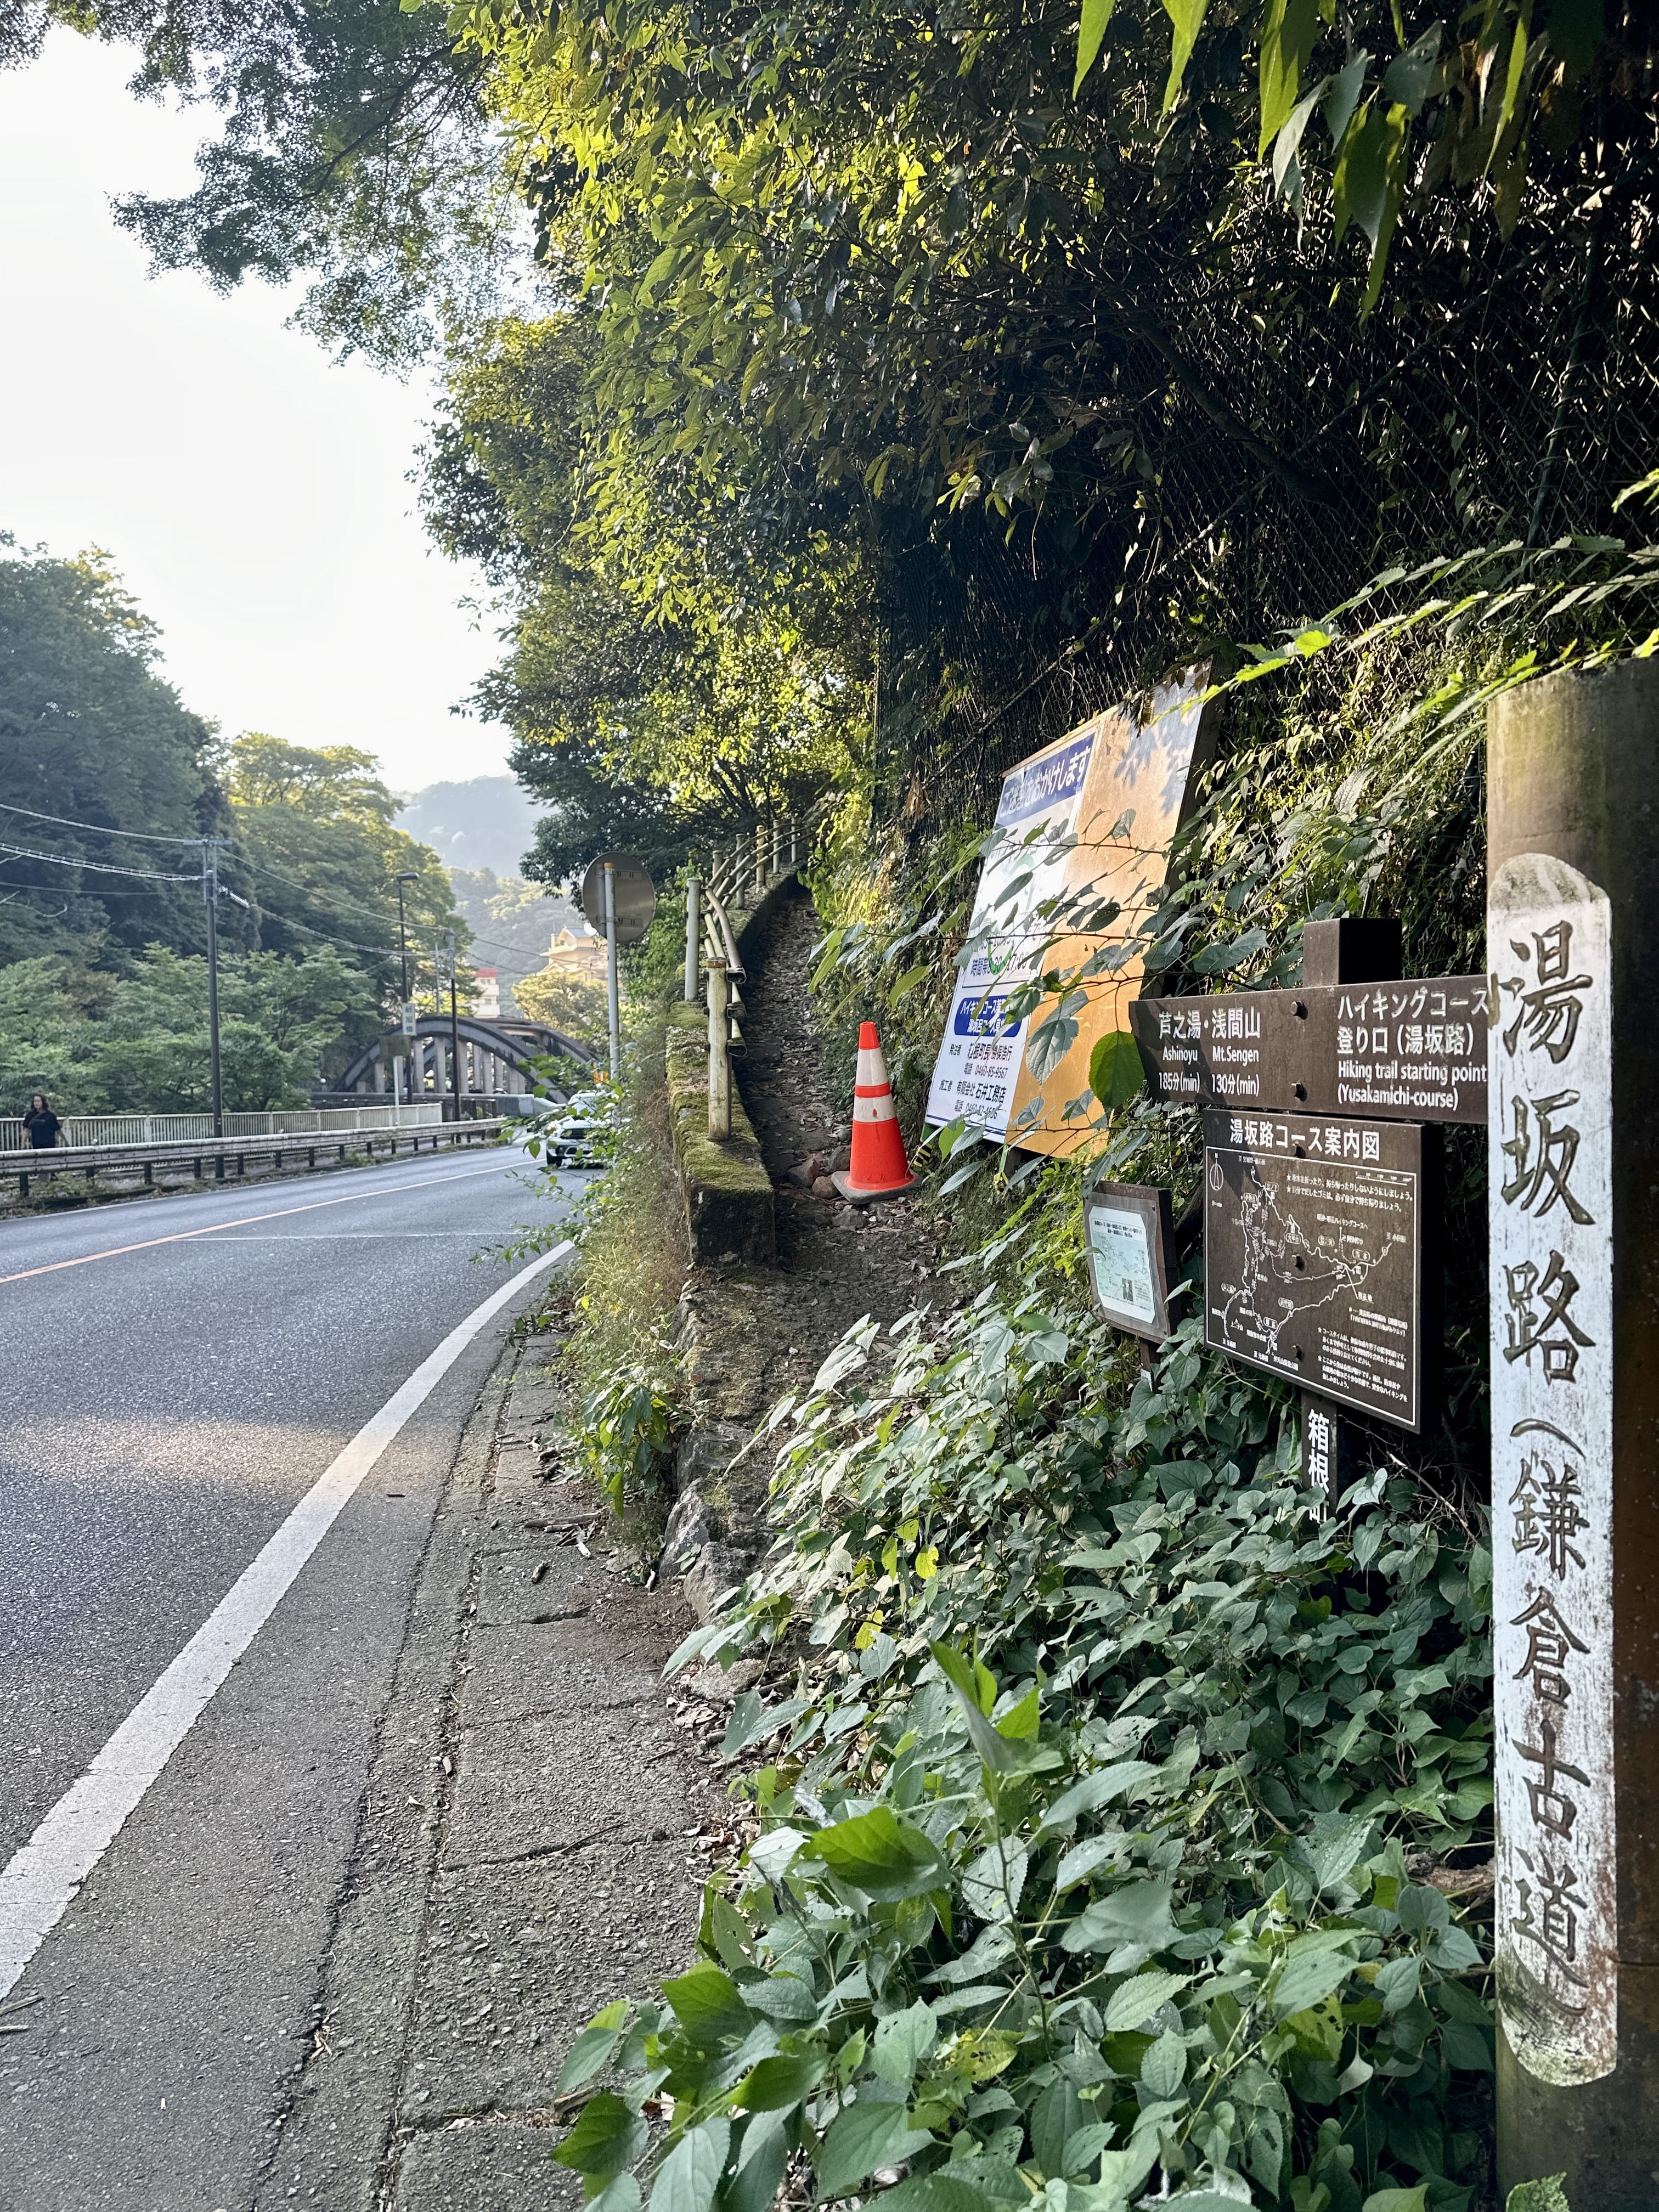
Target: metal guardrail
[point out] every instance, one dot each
(83, 1129)
(739, 874)
(713, 969)
(26, 1165)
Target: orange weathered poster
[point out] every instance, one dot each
(1088, 820)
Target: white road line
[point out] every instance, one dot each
(39, 1882)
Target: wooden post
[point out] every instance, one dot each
(1573, 946)
(720, 1055)
(693, 935)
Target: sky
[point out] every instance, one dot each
(252, 491)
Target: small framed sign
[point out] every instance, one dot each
(1129, 1232)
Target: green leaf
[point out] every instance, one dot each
(1050, 1042)
(1084, 2146)
(991, 1886)
(1222, 960)
(1116, 1071)
(620, 2194)
(867, 2135)
(1410, 74)
(1369, 184)
(1422, 1906)
(1164, 2067)
(1337, 1846)
(1188, 17)
(1138, 1913)
(1400, 2200)
(1548, 2194)
(1307, 1981)
(1287, 39)
(607, 2137)
(1343, 98)
(1396, 1982)
(1314, 1967)
(879, 1854)
(762, 2157)
(708, 2006)
(688, 2176)
(1020, 1724)
(941, 2190)
(781, 2081)
(1287, 169)
(741, 1730)
(590, 2054)
(752, 1723)
(1091, 35)
(902, 2041)
(1468, 2048)
(1055, 2118)
(1134, 2003)
(995, 1749)
(1095, 1790)
(780, 1997)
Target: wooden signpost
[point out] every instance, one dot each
(1573, 940)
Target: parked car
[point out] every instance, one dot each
(570, 1142)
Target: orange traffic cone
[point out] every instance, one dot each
(879, 1169)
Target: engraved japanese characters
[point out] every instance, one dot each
(1551, 1167)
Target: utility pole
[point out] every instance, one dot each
(610, 968)
(406, 1008)
(211, 898)
(454, 1034)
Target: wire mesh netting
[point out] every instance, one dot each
(1282, 459)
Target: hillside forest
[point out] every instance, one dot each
(103, 967)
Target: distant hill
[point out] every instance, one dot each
(513, 923)
(486, 823)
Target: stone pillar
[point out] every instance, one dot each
(378, 1070)
(1573, 944)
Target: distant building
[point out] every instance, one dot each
(571, 955)
(487, 993)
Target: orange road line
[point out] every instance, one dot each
(242, 1221)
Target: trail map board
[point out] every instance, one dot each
(1314, 1235)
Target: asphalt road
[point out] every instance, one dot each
(162, 1410)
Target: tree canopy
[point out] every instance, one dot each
(1008, 347)
(90, 733)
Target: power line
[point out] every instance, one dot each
(256, 868)
(97, 867)
(104, 891)
(97, 828)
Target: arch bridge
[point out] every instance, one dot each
(497, 1063)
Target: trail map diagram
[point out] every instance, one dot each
(1311, 1258)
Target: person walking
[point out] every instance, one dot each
(40, 1125)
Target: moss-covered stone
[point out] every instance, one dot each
(729, 1194)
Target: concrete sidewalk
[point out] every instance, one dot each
(528, 1847)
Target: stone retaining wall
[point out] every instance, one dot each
(729, 1205)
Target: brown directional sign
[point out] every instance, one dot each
(1314, 1262)
(1412, 1051)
